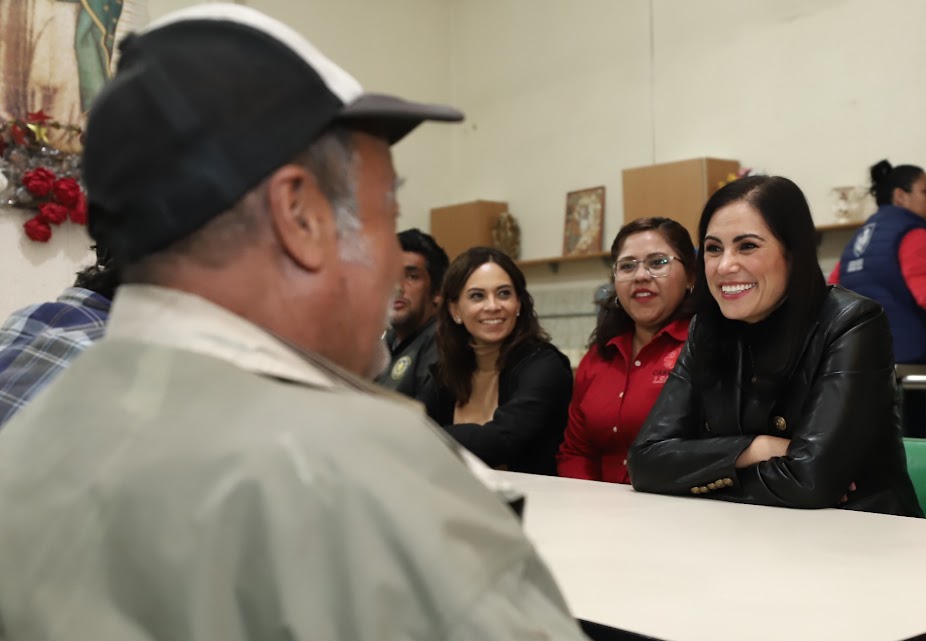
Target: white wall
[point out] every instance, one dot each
(557, 97)
(564, 95)
(32, 272)
(816, 91)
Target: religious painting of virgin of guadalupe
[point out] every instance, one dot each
(584, 221)
(55, 55)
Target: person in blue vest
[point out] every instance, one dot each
(886, 258)
(886, 261)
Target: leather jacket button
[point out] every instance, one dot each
(712, 486)
(696, 490)
(728, 482)
(704, 489)
(780, 423)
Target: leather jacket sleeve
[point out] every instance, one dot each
(847, 381)
(670, 456)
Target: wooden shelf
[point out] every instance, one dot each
(850, 226)
(554, 262)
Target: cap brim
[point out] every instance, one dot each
(392, 117)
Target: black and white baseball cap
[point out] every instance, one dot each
(206, 103)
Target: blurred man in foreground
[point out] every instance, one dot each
(215, 468)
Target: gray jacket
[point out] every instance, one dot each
(154, 493)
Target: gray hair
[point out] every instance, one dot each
(333, 162)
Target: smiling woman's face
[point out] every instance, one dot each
(746, 267)
(488, 305)
(649, 301)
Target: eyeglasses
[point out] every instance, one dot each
(656, 266)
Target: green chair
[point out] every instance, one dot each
(916, 466)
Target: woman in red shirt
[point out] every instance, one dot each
(632, 350)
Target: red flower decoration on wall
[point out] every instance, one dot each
(39, 181)
(38, 116)
(67, 192)
(78, 212)
(53, 213)
(40, 157)
(37, 229)
(18, 135)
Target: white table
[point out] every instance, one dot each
(693, 569)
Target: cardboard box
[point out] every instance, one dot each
(676, 190)
(456, 228)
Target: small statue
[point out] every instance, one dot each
(506, 235)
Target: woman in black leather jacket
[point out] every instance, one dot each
(784, 394)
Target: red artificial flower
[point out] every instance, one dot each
(39, 181)
(78, 212)
(67, 191)
(19, 136)
(37, 116)
(37, 229)
(53, 213)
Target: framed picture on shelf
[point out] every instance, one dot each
(584, 221)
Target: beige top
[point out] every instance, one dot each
(483, 400)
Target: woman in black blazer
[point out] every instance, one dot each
(500, 388)
(784, 394)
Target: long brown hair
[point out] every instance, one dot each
(457, 360)
(614, 320)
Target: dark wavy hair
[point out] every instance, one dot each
(435, 258)
(782, 205)
(614, 320)
(103, 277)
(457, 360)
(886, 178)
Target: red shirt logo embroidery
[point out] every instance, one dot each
(660, 376)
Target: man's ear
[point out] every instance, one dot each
(437, 299)
(302, 217)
